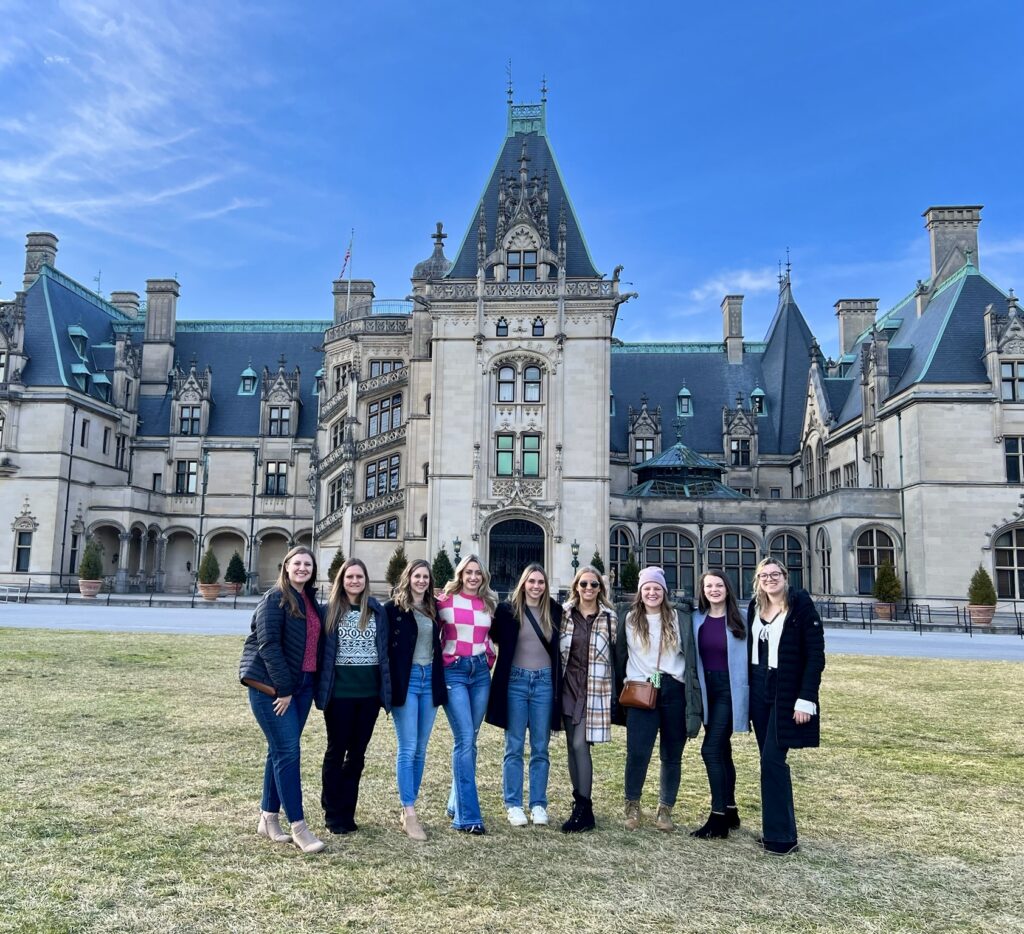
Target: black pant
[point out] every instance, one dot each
(350, 722)
(778, 819)
(642, 726)
(581, 765)
(716, 750)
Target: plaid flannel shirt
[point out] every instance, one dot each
(600, 670)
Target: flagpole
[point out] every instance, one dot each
(348, 297)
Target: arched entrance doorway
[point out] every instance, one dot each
(514, 543)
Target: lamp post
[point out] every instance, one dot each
(457, 545)
(575, 548)
(639, 530)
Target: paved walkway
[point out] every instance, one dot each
(221, 622)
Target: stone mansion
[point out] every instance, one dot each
(495, 408)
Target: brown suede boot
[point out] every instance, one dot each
(664, 819)
(412, 826)
(632, 815)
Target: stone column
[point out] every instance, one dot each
(158, 563)
(143, 548)
(254, 579)
(121, 577)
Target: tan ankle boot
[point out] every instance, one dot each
(305, 839)
(270, 826)
(412, 826)
(664, 819)
(632, 815)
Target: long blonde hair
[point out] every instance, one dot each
(485, 593)
(339, 605)
(519, 599)
(637, 620)
(763, 603)
(603, 603)
(284, 583)
(403, 596)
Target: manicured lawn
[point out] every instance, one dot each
(131, 769)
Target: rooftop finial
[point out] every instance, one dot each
(508, 74)
(789, 265)
(678, 425)
(439, 237)
(544, 89)
(781, 279)
(280, 361)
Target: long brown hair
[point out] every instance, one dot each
(519, 599)
(403, 596)
(339, 605)
(759, 595)
(637, 620)
(284, 584)
(603, 602)
(733, 618)
(485, 593)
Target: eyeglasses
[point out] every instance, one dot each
(588, 584)
(771, 576)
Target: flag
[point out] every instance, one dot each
(348, 256)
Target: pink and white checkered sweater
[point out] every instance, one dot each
(465, 628)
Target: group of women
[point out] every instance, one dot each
(531, 666)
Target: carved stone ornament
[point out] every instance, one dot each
(517, 491)
(25, 522)
(510, 355)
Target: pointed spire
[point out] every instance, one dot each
(543, 89)
(508, 74)
(561, 234)
(481, 236)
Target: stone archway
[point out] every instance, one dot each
(513, 544)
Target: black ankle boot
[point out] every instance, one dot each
(732, 816)
(572, 824)
(587, 821)
(715, 828)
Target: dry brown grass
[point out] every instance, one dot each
(132, 766)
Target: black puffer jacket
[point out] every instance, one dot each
(276, 643)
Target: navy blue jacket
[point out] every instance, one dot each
(505, 635)
(276, 643)
(401, 644)
(329, 651)
(801, 662)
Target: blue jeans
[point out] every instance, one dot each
(469, 684)
(282, 782)
(414, 721)
(529, 705)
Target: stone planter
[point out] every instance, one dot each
(89, 588)
(230, 590)
(209, 591)
(884, 610)
(981, 614)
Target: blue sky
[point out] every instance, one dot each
(236, 144)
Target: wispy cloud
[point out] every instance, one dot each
(736, 281)
(236, 204)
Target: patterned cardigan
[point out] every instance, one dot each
(600, 669)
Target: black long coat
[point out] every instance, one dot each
(801, 662)
(403, 631)
(505, 635)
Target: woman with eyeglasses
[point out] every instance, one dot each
(654, 643)
(465, 612)
(721, 640)
(525, 690)
(586, 642)
(787, 657)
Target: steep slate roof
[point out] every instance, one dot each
(228, 348)
(779, 367)
(53, 304)
(944, 345)
(577, 257)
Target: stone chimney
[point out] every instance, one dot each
(732, 327)
(855, 316)
(40, 248)
(952, 230)
(158, 342)
(126, 302)
(359, 304)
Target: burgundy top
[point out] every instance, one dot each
(312, 636)
(711, 644)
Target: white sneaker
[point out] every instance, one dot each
(539, 815)
(517, 817)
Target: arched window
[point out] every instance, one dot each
(736, 555)
(823, 547)
(538, 327)
(874, 548)
(808, 472)
(619, 547)
(821, 462)
(676, 555)
(1010, 564)
(506, 384)
(531, 384)
(787, 549)
(501, 328)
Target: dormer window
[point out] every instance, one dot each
(280, 421)
(757, 402)
(501, 328)
(522, 265)
(1012, 378)
(79, 339)
(247, 386)
(318, 382)
(189, 419)
(684, 403)
(538, 327)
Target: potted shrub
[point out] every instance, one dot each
(90, 570)
(234, 576)
(887, 591)
(209, 574)
(981, 598)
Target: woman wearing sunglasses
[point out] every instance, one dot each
(787, 657)
(586, 640)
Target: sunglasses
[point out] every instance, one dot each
(586, 585)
